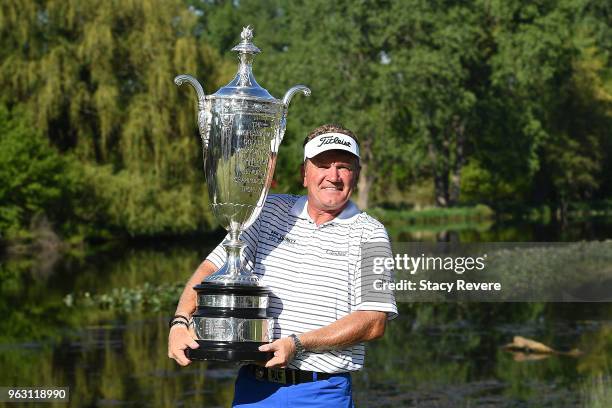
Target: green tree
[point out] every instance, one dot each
(403, 75)
(581, 125)
(541, 117)
(34, 179)
(97, 78)
(526, 57)
(550, 70)
(334, 48)
(437, 51)
(489, 101)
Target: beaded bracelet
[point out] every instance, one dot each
(176, 317)
(175, 322)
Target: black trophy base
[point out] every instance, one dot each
(228, 351)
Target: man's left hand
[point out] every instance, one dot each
(283, 349)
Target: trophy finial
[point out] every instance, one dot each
(247, 34)
(246, 46)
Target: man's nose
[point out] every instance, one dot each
(333, 175)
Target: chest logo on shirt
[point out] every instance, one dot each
(335, 253)
(279, 238)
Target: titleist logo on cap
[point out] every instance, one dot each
(325, 140)
(330, 141)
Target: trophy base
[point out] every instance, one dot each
(228, 351)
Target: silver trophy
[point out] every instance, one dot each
(241, 126)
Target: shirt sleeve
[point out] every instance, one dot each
(374, 272)
(217, 256)
(249, 237)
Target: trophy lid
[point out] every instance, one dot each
(244, 84)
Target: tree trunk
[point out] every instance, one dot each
(441, 188)
(364, 184)
(440, 174)
(563, 211)
(447, 236)
(455, 175)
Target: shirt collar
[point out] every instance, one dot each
(300, 210)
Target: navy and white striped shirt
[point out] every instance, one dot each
(313, 272)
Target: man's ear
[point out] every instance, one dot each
(303, 173)
(356, 175)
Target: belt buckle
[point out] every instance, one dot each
(259, 372)
(277, 375)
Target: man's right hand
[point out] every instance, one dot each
(178, 340)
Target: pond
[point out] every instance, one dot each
(433, 355)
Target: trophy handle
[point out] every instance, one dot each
(286, 99)
(298, 88)
(203, 122)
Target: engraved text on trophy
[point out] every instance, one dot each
(254, 155)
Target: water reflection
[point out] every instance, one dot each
(433, 355)
(118, 364)
(422, 361)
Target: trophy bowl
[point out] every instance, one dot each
(241, 126)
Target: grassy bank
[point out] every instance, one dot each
(480, 213)
(43, 235)
(434, 215)
(597, 391)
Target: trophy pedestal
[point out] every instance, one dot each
(231, 322)
(228, 351)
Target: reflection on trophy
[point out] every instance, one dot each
(241, 126)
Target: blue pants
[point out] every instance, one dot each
(253, 393)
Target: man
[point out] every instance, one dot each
(308, 251)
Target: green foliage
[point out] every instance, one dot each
(96, 78)
(430, 88)
(150, 298)
(140, 204)
(163, 273)
(479, 184)
(597, 392)
(34, 178)
(581, 146)
(433, 223)
(549, 101)
(503, 103)
(434, 215)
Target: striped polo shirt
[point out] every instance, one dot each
(313, 272)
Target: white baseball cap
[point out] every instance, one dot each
(330, 141)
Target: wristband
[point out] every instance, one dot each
(176, 317)
(176, 321)
(299, 348)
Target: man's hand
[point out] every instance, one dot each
(178, 340)
(284, 351)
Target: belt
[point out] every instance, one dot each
(286, 375)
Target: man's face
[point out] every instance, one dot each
(330, 178)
